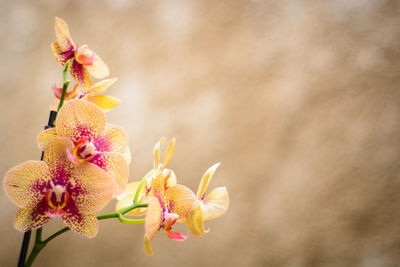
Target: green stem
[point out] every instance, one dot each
(39, 244)
(65, 85)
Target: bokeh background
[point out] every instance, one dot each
(299, 100)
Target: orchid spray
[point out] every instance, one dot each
(85, 164)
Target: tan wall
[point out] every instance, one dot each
(299, 100)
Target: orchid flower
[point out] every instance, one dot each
(94, 141)
(209, 206)
(58, 188)
(166, 206)
(84, 61)
(104, 102)
(126, 198)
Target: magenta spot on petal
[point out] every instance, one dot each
(102, 144)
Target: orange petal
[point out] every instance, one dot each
(46, 136)
(153, 218)
(84, 224)
(24, 183)
(101, 86)
(147, 246)
(194, 220)
(205, 180)
(80, 119)
(216, 203)
(28, 219)
(177, 236)
(180, 200)
(104, 102)
(81, 75)
(62, 34)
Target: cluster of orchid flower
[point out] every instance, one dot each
(86, 163)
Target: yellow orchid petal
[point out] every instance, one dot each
(156, 152)
(113, 139)
(98, 69)
(84, 224)
(101, 86)
(93, 186)
(80, 119)
(62, 33)
(59, 54)
(171, 180)
(194, 220)
(169, 152)
(46, 136)
(126, 199)
(147, 246)
(104, 102)
(158, 185)
(23, 183)
(153, 218)
(180, 200)
(215, 203)
(30, 218)
(205, 180)
(116, 167)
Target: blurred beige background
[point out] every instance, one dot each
(299, 100)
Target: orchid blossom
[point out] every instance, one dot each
(84, 61)
(104, 102)
(126, 198)
(94, 141)
(166, 206)
(58, 188)
(209, 206)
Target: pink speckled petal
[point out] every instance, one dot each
(114, 139)
(55, 156)
(90, 187)
(46, 136)
(31, 218)
(61, 56)
(84, 224)
(180, 200)
(116, 167)
(80, 119)
(26, 183)
(81, 75)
